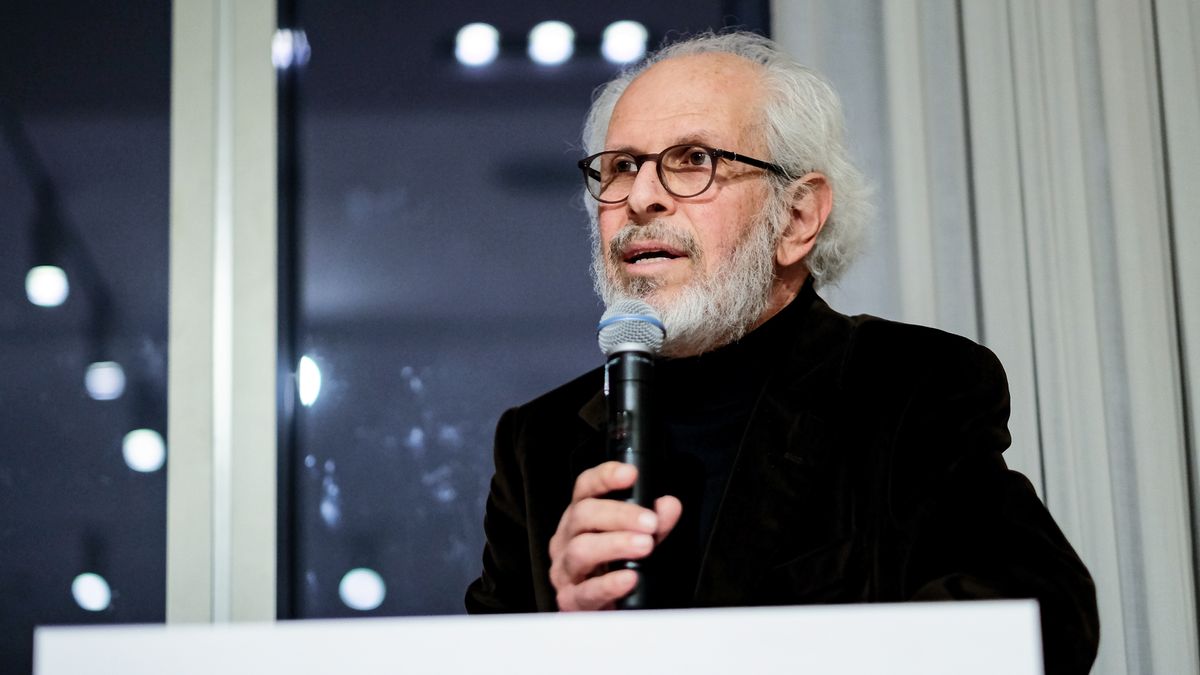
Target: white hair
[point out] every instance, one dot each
(803, 122)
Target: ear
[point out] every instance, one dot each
(812, 200)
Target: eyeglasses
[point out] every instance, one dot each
(684, 170)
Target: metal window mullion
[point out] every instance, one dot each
(221, 399)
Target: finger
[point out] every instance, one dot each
(602, 479)
(669, 509)
(585, 554)
(598, 592)
(607, 515)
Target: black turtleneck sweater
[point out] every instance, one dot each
(705, 404)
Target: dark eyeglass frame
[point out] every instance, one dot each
(590, 174)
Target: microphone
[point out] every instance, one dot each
(631, 335)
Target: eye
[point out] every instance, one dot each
(617, 164)
(697, 157)
(624, 165)
(687, 158)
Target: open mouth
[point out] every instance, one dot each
(653, 253)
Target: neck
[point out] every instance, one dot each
(784, 289)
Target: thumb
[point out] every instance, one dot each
(668, 509)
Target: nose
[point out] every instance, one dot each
(648, 199)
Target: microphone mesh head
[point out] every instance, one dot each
(631, 321)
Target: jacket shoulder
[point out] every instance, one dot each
(880, 346)
(557, 418)
(569, 397)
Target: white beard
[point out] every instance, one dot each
(712, 309)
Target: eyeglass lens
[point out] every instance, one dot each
(685, 171)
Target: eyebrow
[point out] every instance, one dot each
(696, 137)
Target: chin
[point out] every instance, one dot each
(660, 293)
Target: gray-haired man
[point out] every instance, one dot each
(811, 457)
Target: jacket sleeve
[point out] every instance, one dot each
(506, 584)
(977, 530)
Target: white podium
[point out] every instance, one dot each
(980, 638)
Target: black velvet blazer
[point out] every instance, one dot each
(870, 471)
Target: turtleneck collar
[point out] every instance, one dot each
(727, 373)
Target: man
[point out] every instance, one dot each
(811, 457)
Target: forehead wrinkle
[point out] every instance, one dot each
(709, 99)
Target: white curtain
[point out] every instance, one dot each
(1038, 173)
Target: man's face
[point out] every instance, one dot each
(709, 99)
(693, 251)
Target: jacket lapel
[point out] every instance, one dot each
(589, 450)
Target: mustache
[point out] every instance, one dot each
(655, 230)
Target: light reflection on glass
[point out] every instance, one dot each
(144, 450)
(105, 380)
(331, 497)
(362, 588)
(47, 286)
(416, 439)
(416, 385)
(449, 435)
(308, 374)
(91, 592)
(289, 48)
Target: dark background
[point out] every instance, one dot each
(435, 267)
(84, 108)
(440, 275)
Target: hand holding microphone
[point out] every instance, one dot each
(631, 335)
(600, 541)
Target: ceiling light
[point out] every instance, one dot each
(551, 43)
(624, 41)
(477, 44)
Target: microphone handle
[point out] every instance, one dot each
(633, 439)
